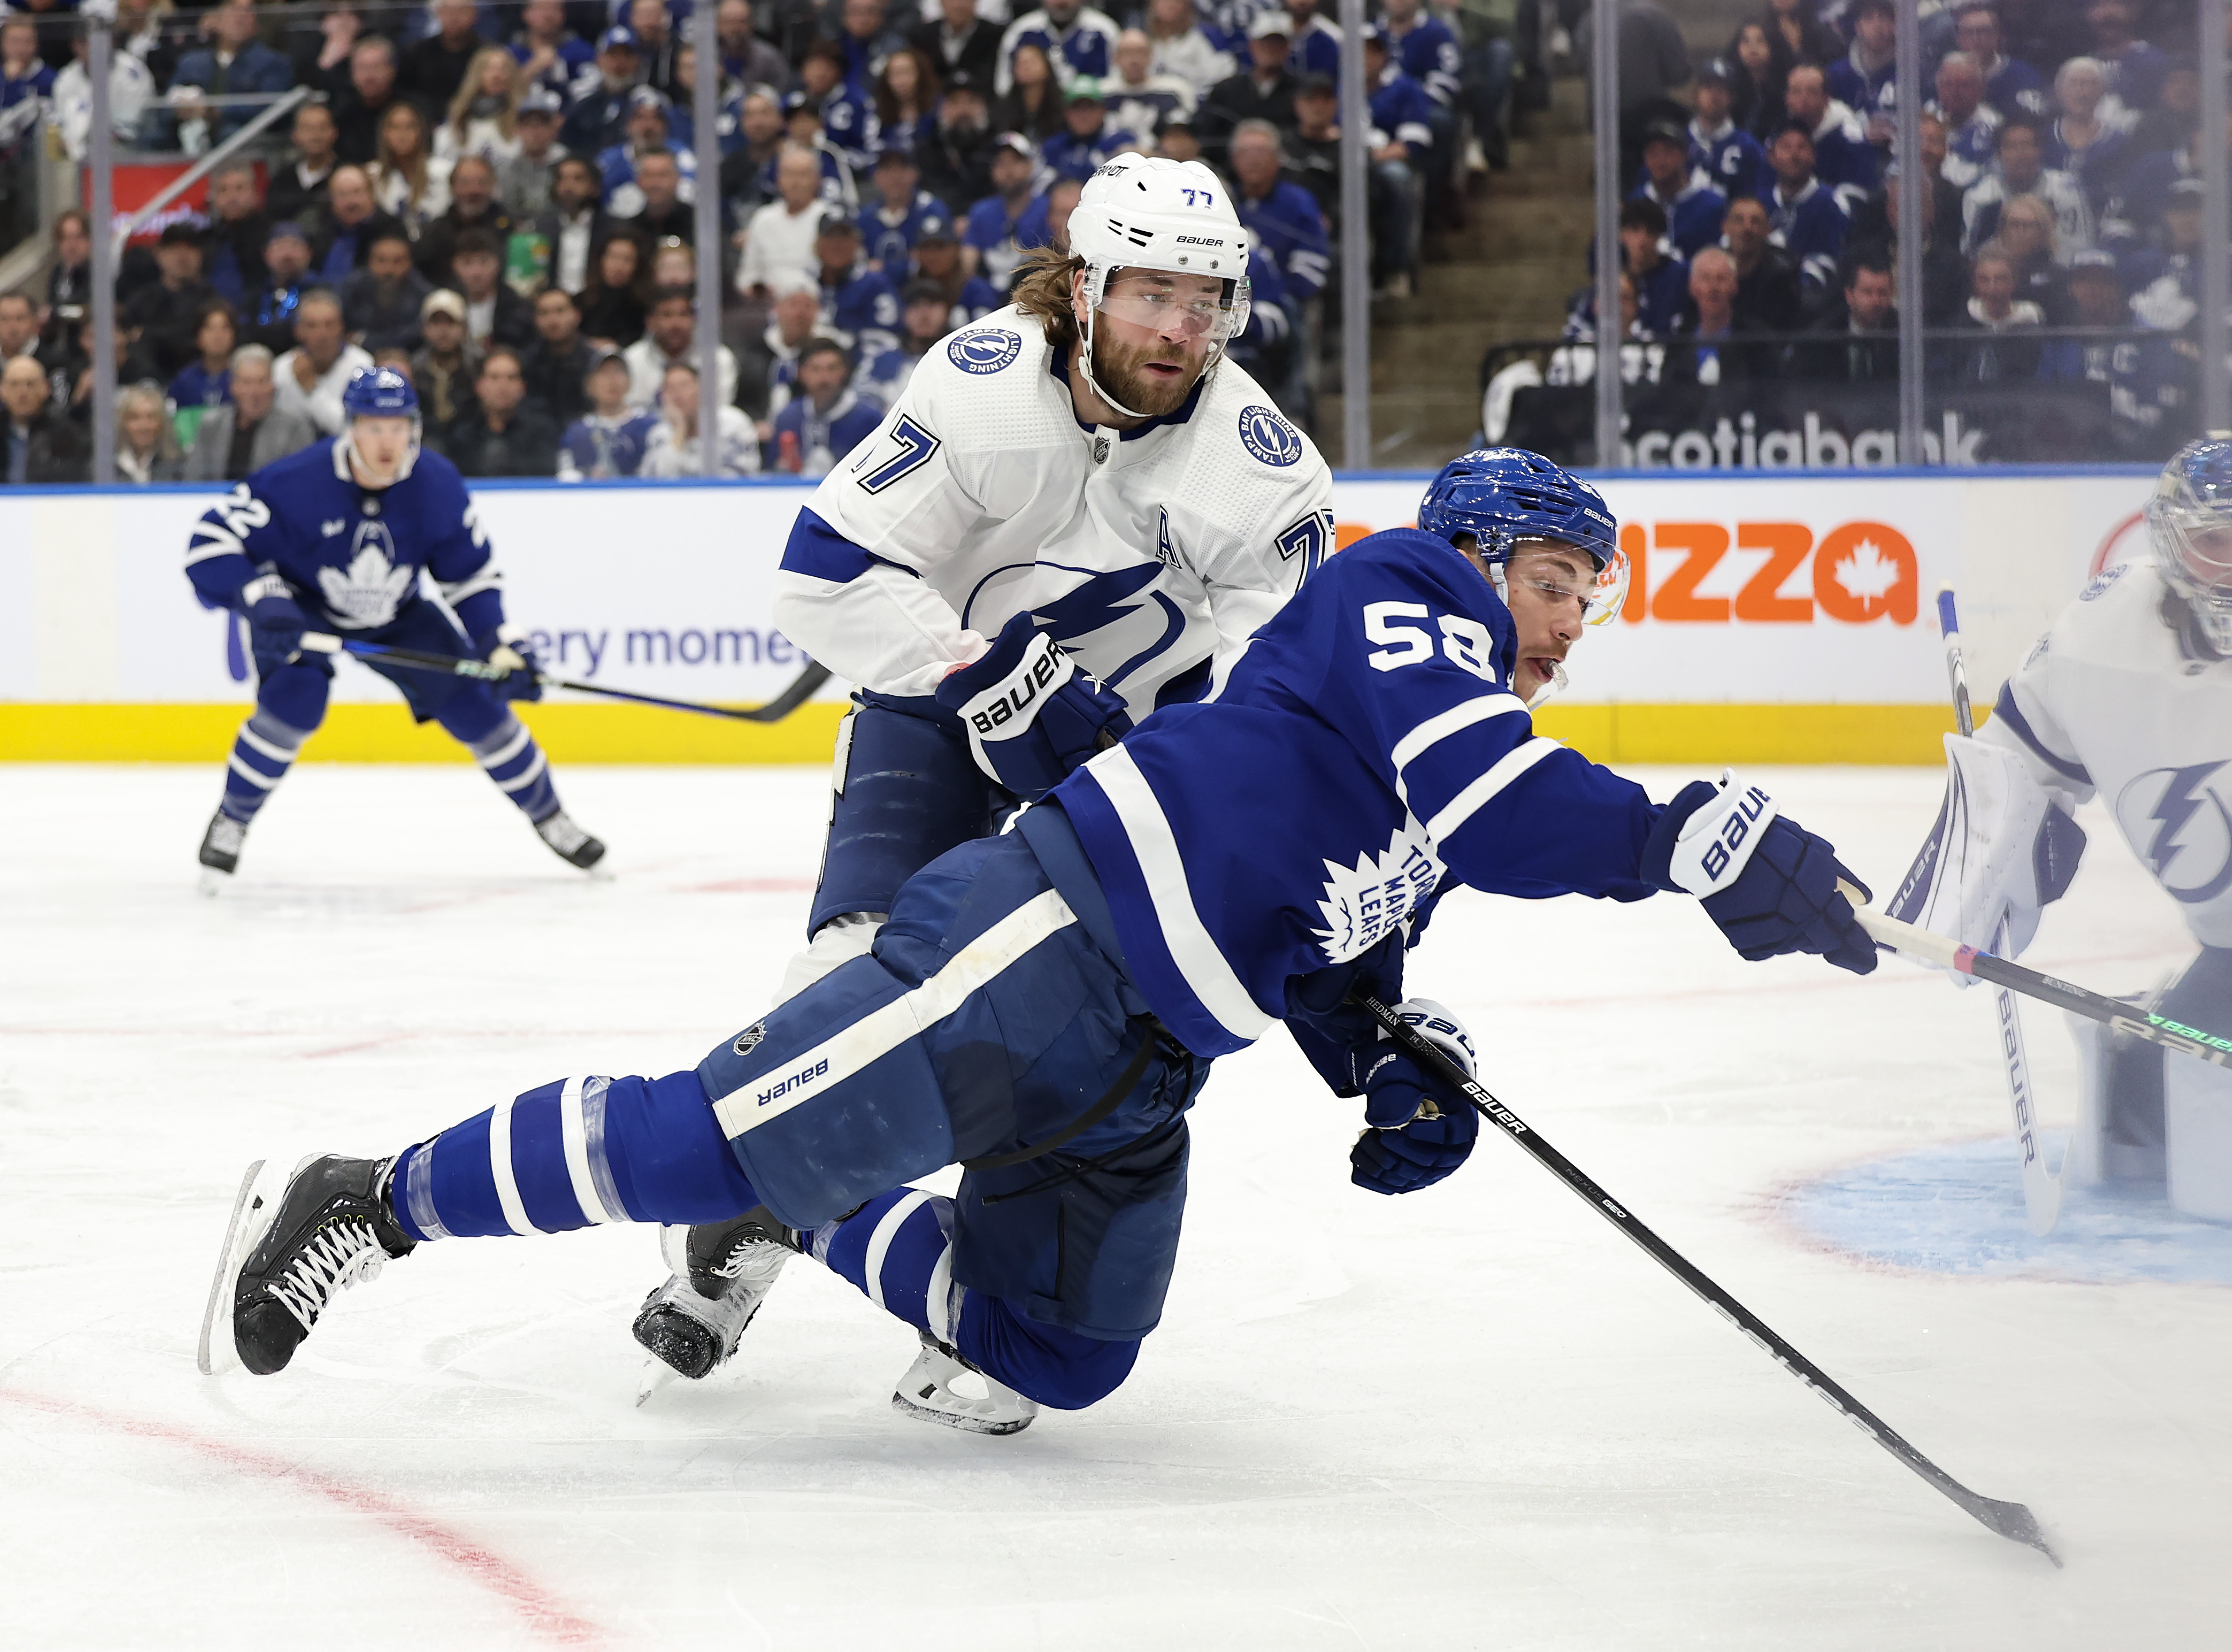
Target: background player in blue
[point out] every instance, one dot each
(1250, 858)
(332, 540)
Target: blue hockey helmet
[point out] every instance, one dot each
(383, 393)
(2190, 520)
(1505, 498)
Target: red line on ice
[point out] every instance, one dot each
(543, 1613)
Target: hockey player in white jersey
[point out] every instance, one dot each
(2129, 696)
(1078, 510)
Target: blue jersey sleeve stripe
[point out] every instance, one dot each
(1507, 769)
(1441, 726)
(2005, 707)
(819, 551)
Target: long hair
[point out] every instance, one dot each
(927, 89)
(1041, 289)
(413, 170)
(148, 394)
(507, 118)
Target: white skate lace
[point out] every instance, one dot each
(751, 1260)
(561, 833)
(327, 1265)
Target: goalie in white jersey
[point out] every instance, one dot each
(2129, 696)
(1077, 510)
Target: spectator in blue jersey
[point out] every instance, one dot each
(1858, 79)
(1427, 49)
(2134, 68)
(2020, 169)
(646, 135)
(1076, 39)
(2096, 302)
(867, 37)
(598, 117)
(2009, 83)
(802, 117)
(1693, 206)
(881, 377)
(268, 313)
(1009, 222)
(1266, 347)
(1400, 148)
(1807, 219)
(898, 208)
(2084, 138)
(549, 54)
(205, 381)
(859, 306)
(1281, 214)
(1138, 99)
(607, 440)
(234, 64)
(937, 259)
(2145, 187)
(1732, 158)
(767, 366)
(1972, 126)
(1312, 44)
(906, 97)
(847, 111)
(1087, 141)
(1842, 154)
(26, 83)
(1661, 275)
(825, 421)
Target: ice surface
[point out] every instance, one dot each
(1473, 1417)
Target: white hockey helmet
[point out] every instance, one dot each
(1173, 216)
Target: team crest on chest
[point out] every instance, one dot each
(1362, 904)
(369, 589)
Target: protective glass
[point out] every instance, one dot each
(1195, 314)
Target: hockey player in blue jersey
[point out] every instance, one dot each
(1042, 1005)
(332, 540)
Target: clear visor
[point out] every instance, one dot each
(1599, 598)
(1162, 307)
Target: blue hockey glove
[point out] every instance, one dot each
(276, 623)
(1414, 1139)
(1031, 713)
(508, 650)
(1770, 884)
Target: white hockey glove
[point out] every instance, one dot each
(2003, 848)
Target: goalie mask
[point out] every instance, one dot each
(1171, 217)
(2190, 520)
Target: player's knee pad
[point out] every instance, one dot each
(2118, 1135)
(2197, 1096)
(296, 694)
(1055, 1367)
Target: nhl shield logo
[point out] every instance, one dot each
(1100, 450)
(1269, 437)
(748, 1040)
(984, 352)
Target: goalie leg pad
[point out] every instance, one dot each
(2196, 1097)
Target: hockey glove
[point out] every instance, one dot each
(1770, 884)
(507, 649)
(276, 623)
(1031, 714)
(1413, 1140)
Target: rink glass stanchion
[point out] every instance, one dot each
(2010, 1521)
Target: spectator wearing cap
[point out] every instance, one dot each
(574, 224)
(2018, 168)
(494, 313)
(958, 42)
(1139, 100)
(779, 237)
(768, 367)
(802, 117)
(2164, 276)
(1805, 218)
(2134, 68)
(2176, 114)
(746, 60)
(824, 419)
(1087, 141)
(1971, 125)
(674, 449)
(267, 316)
(1183, 47)
(473, 206)
(251, 430)
(1010, 221)
(1859, 78)
(551, 57)
(371, 91)
(503, 433)
(608, 440)
(1312, 149)
(646, 135)
(234, 64)
(1685, 193)
(859, 306)
(1262, 91)
(163, 313)
(670, 336)
(1768, 293)
(1178, 142)
(311, 376)
(2096, 301)
(442, 367)
(1076, 39)
(2011, 85)
(431, 69)
(1842, 155)
(881, 378)
(1281, 214)
(600, 115)
(557, 364)
(381, 303)
(1728, 155)
(1314, 44)
(937, 259)
(298, 190)
(522, 184)
(956, 156)
(351, 223)
(899, 208)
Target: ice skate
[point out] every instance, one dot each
(927, 1393)
(220, 853)
(568, 842)
(290, 1249)
(723, 1271)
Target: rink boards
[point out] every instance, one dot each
(1770, 619)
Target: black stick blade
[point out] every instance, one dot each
(2011, 1520)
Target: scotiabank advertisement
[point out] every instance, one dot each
(1782, 590)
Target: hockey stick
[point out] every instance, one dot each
(2010, 1521)
(802, 690)
(2041, 1190)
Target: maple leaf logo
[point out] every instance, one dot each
(1866, 574)
(1362, 903)
(371, 588)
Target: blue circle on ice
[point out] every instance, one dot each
(1265, 433)
(986, 351)
(1957, 1208)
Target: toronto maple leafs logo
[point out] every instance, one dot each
(368, 592)
(2178, 821)
(1362, 904)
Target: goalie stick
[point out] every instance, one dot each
(2041, 1189)
(2009, 1520)
(802, 690)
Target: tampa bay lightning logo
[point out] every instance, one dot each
(986, 351)
(2179, 821)
(1266, 435)
(2103, 582)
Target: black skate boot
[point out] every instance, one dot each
(289, 1251)
(568, 842)
(220, 855)
(723, 1271)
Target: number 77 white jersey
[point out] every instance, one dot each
(1151, 555)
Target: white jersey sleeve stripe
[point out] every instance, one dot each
(1155, 847)
(1439, 728)
(1508, 768)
